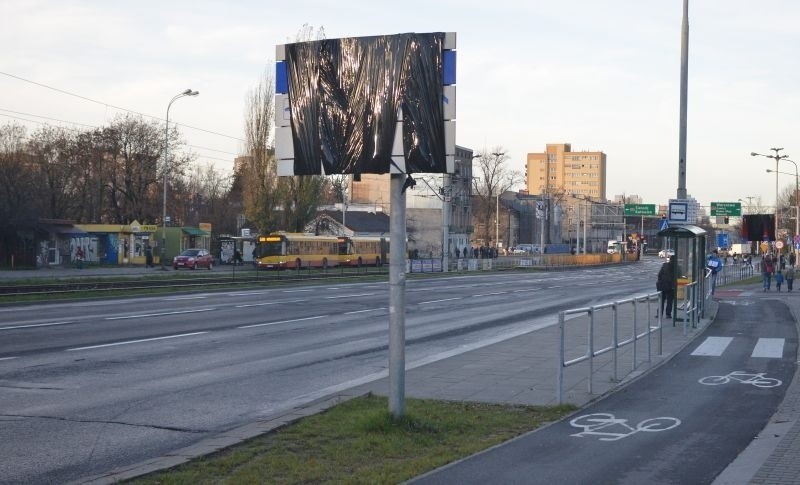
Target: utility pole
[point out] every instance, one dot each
(684, 93)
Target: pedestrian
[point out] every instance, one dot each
(779, 279)
(665, 284)
(148, 256)
(237, 257)
(782, 261)
(792, 258)
(79, 257)
(788, 273)
(714, 264)
(767, 268)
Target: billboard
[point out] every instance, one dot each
(382, 104)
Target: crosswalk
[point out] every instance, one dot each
(768, 348)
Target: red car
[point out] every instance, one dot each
(193, 259)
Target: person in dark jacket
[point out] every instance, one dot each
(664, 284)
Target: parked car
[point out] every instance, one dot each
(666, 253)
(193, 259)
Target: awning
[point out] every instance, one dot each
(193, 231)
(63, 230)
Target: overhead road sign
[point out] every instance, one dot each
(640, 209)
(726, 208)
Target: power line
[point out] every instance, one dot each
(108, 105)
(90, 126)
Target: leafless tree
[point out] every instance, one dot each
(492, 177)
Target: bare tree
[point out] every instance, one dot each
(492, 177)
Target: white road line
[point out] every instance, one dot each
(178, 298)
(713, 346)
(437, 301)
(282, 321)
(7, 358)
(249, 293)
(525, 290)
(135, 341)
(365, 311)
(144, 315)
(490, 294)
(348, 296)
(771, 348)
(296, 291)
(50, 324)
(268, 303)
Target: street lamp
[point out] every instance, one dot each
(796, 188)
(777, 157)
(187, 92)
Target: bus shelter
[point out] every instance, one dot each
(689, 244)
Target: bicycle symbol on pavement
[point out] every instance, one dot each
(612, 428)
(757, 380)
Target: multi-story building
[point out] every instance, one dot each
(560, 170)
(424, 205)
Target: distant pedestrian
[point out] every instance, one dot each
(767, 268)
(778, 279)
(237, 258)
(148, 256)
(665, 284)
(792, 258)
(715, 265)
(788, 273)
(79, 257)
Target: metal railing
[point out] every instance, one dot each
(616, 343)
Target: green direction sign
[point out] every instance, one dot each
(640, 209)
(726, 208)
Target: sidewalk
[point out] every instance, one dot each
(523, 369)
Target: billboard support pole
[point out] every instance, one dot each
(397, 296)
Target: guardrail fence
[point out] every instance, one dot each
(636, 312)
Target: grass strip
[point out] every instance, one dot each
(358, 441)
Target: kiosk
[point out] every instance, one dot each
(689, 261)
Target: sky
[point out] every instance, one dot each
(601, 75)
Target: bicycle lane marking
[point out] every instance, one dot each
(681, 454)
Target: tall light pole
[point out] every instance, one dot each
(187, 92)
(796, 202)
(777, 157)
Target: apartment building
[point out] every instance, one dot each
(559, 170)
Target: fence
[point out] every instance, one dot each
(618, 310)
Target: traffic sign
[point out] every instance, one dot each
(779, 244)
(726, 208)
(663, 224)
(764, 246)
(640, 209)
(678, 211)
(722, 240)
(797, 238)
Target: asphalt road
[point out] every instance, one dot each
(88, 387)
(683, 423)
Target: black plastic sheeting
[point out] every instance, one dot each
(345, 95)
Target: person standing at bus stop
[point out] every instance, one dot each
(665, 284)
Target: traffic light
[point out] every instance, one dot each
(725, 219)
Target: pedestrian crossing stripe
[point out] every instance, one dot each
(713, 346)
(770, 348)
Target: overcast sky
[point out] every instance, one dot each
(601, 75)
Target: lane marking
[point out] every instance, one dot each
(7, 358)
(365, 311)
(348, 296)
(282, 321)
(437, 301)
(296, 291)
(490, 294)
(247, 305)
(178, 298)
(770, 348)
(713, 346)
(143, 315)
(135, 341)
(32, 325)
